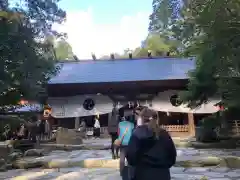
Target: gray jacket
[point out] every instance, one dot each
(113, 121)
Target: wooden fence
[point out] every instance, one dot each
(104, 130)
(236, 127)
(176, 128)
(169, 128)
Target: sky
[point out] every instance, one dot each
(105, 26)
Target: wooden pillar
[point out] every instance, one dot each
(77, 122)
(109, 116)
(191, 124)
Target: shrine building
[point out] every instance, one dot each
(84, 89)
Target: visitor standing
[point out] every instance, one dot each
(41, 127)
(21, 132)
(125, 131)
(96, 131)
(113, 131)
(151, 150)
(138, 117)
(82, 126)
(47, 130)
(33, 129)
(7, 132)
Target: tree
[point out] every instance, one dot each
(63, 50)
(116, 56)
(165, 14)
(158, 45)
(27, 61)
(140, 52)
(217, 49)
(168, 20)
(210, 31)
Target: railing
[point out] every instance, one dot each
(236, 127)
(103, 130)
(176, 128)
(46, 137)
(169, 128)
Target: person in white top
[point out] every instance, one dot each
(21, 132)
(138, 117)
(96, 132)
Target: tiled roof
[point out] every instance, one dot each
(123, 70)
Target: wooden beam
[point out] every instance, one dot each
(191, 124)
(138, 87)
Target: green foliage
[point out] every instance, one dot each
(165, 13)
(217, 48)
(211, 122)
(210, 31)
(167, 19)
(63, 50)
(156, 44)
(27, 61)
(140, 52)
(159, 46)
(13, 121)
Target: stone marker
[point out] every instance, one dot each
(68, 136)
(34, 152)
(3, 165)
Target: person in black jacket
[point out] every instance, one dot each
(151, 150)
(113, 131)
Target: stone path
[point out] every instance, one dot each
(106, 142)
(113, 174)
(110, 174)
(183, 154)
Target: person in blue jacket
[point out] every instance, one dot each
(124, 134)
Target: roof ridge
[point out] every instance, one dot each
(125, 59)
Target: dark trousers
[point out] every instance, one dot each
(126, 171)
(115, 149)
(122, 159)
(96, 132)
(33, 137)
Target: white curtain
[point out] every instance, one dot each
(73, 106)
(162, 103)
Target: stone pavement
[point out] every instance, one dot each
(112, 174)
(187, 157)
(78, 173)
(182, 154)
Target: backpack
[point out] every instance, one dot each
(125, 132)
